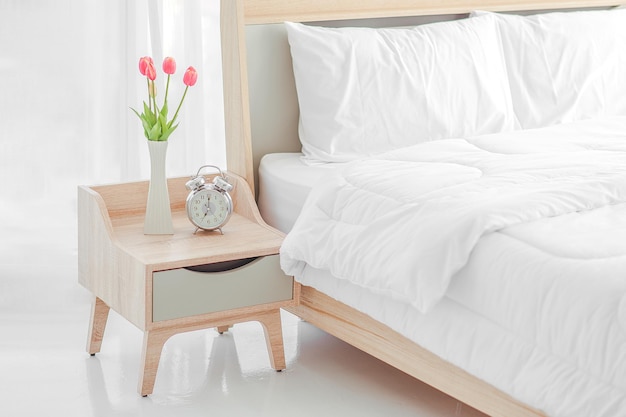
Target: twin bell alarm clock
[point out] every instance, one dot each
(209, 205)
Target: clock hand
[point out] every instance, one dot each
(210, 208)
(206, 212)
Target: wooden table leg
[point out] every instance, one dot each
(272, 327)
(153, 342)
(222, 329)
(97, 324)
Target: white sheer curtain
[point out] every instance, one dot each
(189, 32)
(68, 77)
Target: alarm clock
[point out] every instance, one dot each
(209, 205)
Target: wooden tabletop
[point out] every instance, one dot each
(241, 238)
(122, 207)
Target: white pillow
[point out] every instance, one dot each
(565, 66)
(364, 91)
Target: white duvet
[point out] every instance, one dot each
(526, 228)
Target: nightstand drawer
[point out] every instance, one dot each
(183, 293)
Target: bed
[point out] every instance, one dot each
(492, 330)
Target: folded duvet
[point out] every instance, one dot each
(526, 229)
(403, 223)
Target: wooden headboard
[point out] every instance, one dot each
(260, 102)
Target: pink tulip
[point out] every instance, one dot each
(143, 63)
(169, 65)
(150, 71)
(190, 77)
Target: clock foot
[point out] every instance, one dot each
(219, 229)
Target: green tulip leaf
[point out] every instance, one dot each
(155, 132)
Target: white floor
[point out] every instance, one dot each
(45, 371)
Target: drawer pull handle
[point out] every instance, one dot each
(221, 266)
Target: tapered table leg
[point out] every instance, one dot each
(274, 338)
(153, 342)
(97, 324)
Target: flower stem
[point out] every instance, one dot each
(179, 105)
(149, 101)
(167, 88)
(156, 109)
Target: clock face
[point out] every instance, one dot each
(208, 209)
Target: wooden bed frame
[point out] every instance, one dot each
(261, 116)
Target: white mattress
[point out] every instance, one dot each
(284, 183)
(558, 344)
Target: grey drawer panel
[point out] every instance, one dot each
(182, 293)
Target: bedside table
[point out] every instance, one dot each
(169, 284)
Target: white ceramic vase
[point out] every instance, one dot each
(158, 219)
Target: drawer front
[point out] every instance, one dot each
(182, 293)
